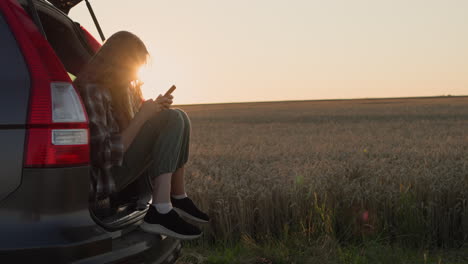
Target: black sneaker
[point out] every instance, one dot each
(186, 208)
(169, 224)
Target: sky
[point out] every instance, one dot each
(272, 50)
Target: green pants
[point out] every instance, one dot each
(161, 146)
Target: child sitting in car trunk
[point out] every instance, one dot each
(129, 134)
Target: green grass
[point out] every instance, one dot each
(323, 250)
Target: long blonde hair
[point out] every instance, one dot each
(115, 67)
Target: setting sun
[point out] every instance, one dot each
(151, 87)
(156, 81)
(144, 74)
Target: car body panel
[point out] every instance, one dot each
(36, 225)
(15, 81)
(11, 156)
(49, 211)
(14, 96)
(49, 208)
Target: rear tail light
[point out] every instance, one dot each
(61, 137)
(64, 141)
(56, 147)
(58, 132)
(57, 129)
(66, 105)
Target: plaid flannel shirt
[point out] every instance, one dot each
(106, 143)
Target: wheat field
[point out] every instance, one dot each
(351, 170)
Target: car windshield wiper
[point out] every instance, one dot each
(96, 23)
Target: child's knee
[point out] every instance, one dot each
(184, 116)
(173, 117)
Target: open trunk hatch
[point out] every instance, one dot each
(65, 5)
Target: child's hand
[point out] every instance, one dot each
(164, 102)
(148, 108)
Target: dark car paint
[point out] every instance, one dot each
(15, 82)
(50, 209)
(14, 94)
(35, 225)
(11, 160)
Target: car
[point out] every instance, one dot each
(47, 214)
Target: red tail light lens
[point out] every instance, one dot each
(63, 141)
(42, 152)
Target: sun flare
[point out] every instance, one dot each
(157, 80)
(146, 74)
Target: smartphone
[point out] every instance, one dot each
(169, 92)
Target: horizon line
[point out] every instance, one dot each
(335, 99)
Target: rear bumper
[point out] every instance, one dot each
(49, 213)
(47, 220)
(133, 247)
(139, 247)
